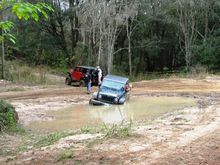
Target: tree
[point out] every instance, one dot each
(131, 9)
(129, 36)
(23, 10)
(187, 11)
(105, 26)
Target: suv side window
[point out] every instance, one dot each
(80, 70)
(90, 71)
(77, 69)
(84, 70)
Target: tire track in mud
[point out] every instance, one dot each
(164, 87)
(42, 93)
(58, 92)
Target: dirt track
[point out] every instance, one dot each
(208, 86)
(190, 137)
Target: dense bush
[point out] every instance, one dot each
(208, 53)
(8, 116)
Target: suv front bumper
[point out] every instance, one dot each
(97, 102)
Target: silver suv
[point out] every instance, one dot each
(113, 90)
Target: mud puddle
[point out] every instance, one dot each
(137, 109)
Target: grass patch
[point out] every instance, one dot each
(195, 72)
(118, 131)
(51, 139)
(67, 154)
(19, 72)
(150, 76)
(18, 129)
(164, 75)
(88, 129)
(27, 75)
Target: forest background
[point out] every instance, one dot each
(128, 37)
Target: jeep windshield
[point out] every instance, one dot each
(112, 87)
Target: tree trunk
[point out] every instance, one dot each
(207, 15)
(187, 21)
(129, 46)
(3, 56)
(188, 55)
(100, 45)
(129, 55)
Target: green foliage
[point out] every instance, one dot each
(207, 53)
(6, 25)
(157, 43)
(18, 129)
(25, 10)
(8, 116)
(80, 55)
(38, 47)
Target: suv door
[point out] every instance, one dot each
(77, 74)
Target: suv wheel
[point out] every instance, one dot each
(68, 80)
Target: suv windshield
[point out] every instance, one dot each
(112, 87)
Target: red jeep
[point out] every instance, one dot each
(77, 75)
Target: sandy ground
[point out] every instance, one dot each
(189, 137)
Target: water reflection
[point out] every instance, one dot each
(135, 110)
(108, 114)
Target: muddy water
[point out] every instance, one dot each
(137, 109)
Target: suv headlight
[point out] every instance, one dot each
(100, 96)
(122, 100)
(116, 99)
(94, 95)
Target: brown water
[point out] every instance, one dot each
(86, 115)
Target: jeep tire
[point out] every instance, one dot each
(68, 80)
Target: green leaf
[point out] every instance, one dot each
(11, 36)
(35, 16)
(6, 25)
(45, 14)
(12, 40)
(25, 10)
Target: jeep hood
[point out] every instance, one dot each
(110, 94)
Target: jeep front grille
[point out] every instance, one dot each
(108, 98)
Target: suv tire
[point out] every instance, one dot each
(68, 80)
